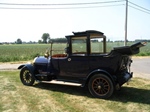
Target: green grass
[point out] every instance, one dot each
(16, 97)
(25, 52)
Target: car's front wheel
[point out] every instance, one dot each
(26, 77)
(101, 86)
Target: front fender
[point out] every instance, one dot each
(21, 66)
(29, 66)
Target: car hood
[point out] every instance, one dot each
(41, 59)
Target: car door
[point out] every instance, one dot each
(77, 63)
(74, 66)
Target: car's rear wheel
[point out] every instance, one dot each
(101, 86)
(26, 77)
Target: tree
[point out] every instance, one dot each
(45, 37)
(39, 41)
(19, 41)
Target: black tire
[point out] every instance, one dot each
(101, 86)
(26, 77)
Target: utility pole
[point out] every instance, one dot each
(126, 22)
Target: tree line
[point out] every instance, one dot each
(46, 39)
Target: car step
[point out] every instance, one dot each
(62, 83)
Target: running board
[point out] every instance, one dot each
(62, 83)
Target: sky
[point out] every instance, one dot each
(109, 18)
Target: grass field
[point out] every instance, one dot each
(15, 97)
(24, 52)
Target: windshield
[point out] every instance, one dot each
(58, 48)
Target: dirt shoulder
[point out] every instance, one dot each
(140, 66)
(8, 66)
(12, 65)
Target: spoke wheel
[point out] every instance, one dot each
(101, 86)
(26, 77)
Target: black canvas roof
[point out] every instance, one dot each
(84, 33)
(87, 31)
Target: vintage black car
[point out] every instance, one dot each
(84, 62)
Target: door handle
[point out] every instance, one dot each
(69, 59)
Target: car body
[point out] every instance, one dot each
(84, 62)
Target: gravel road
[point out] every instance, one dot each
(140, 67)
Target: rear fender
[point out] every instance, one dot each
(100, 71)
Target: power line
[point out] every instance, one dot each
(88, 3)
(63, 7)
(139, 9)
(139, 6)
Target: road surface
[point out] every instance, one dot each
(140, 67)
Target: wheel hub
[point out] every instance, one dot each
(99, 87)
(27, 76)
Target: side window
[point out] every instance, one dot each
(96, 45)
(79, 46)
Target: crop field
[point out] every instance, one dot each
(25, 52)
(15, 97)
